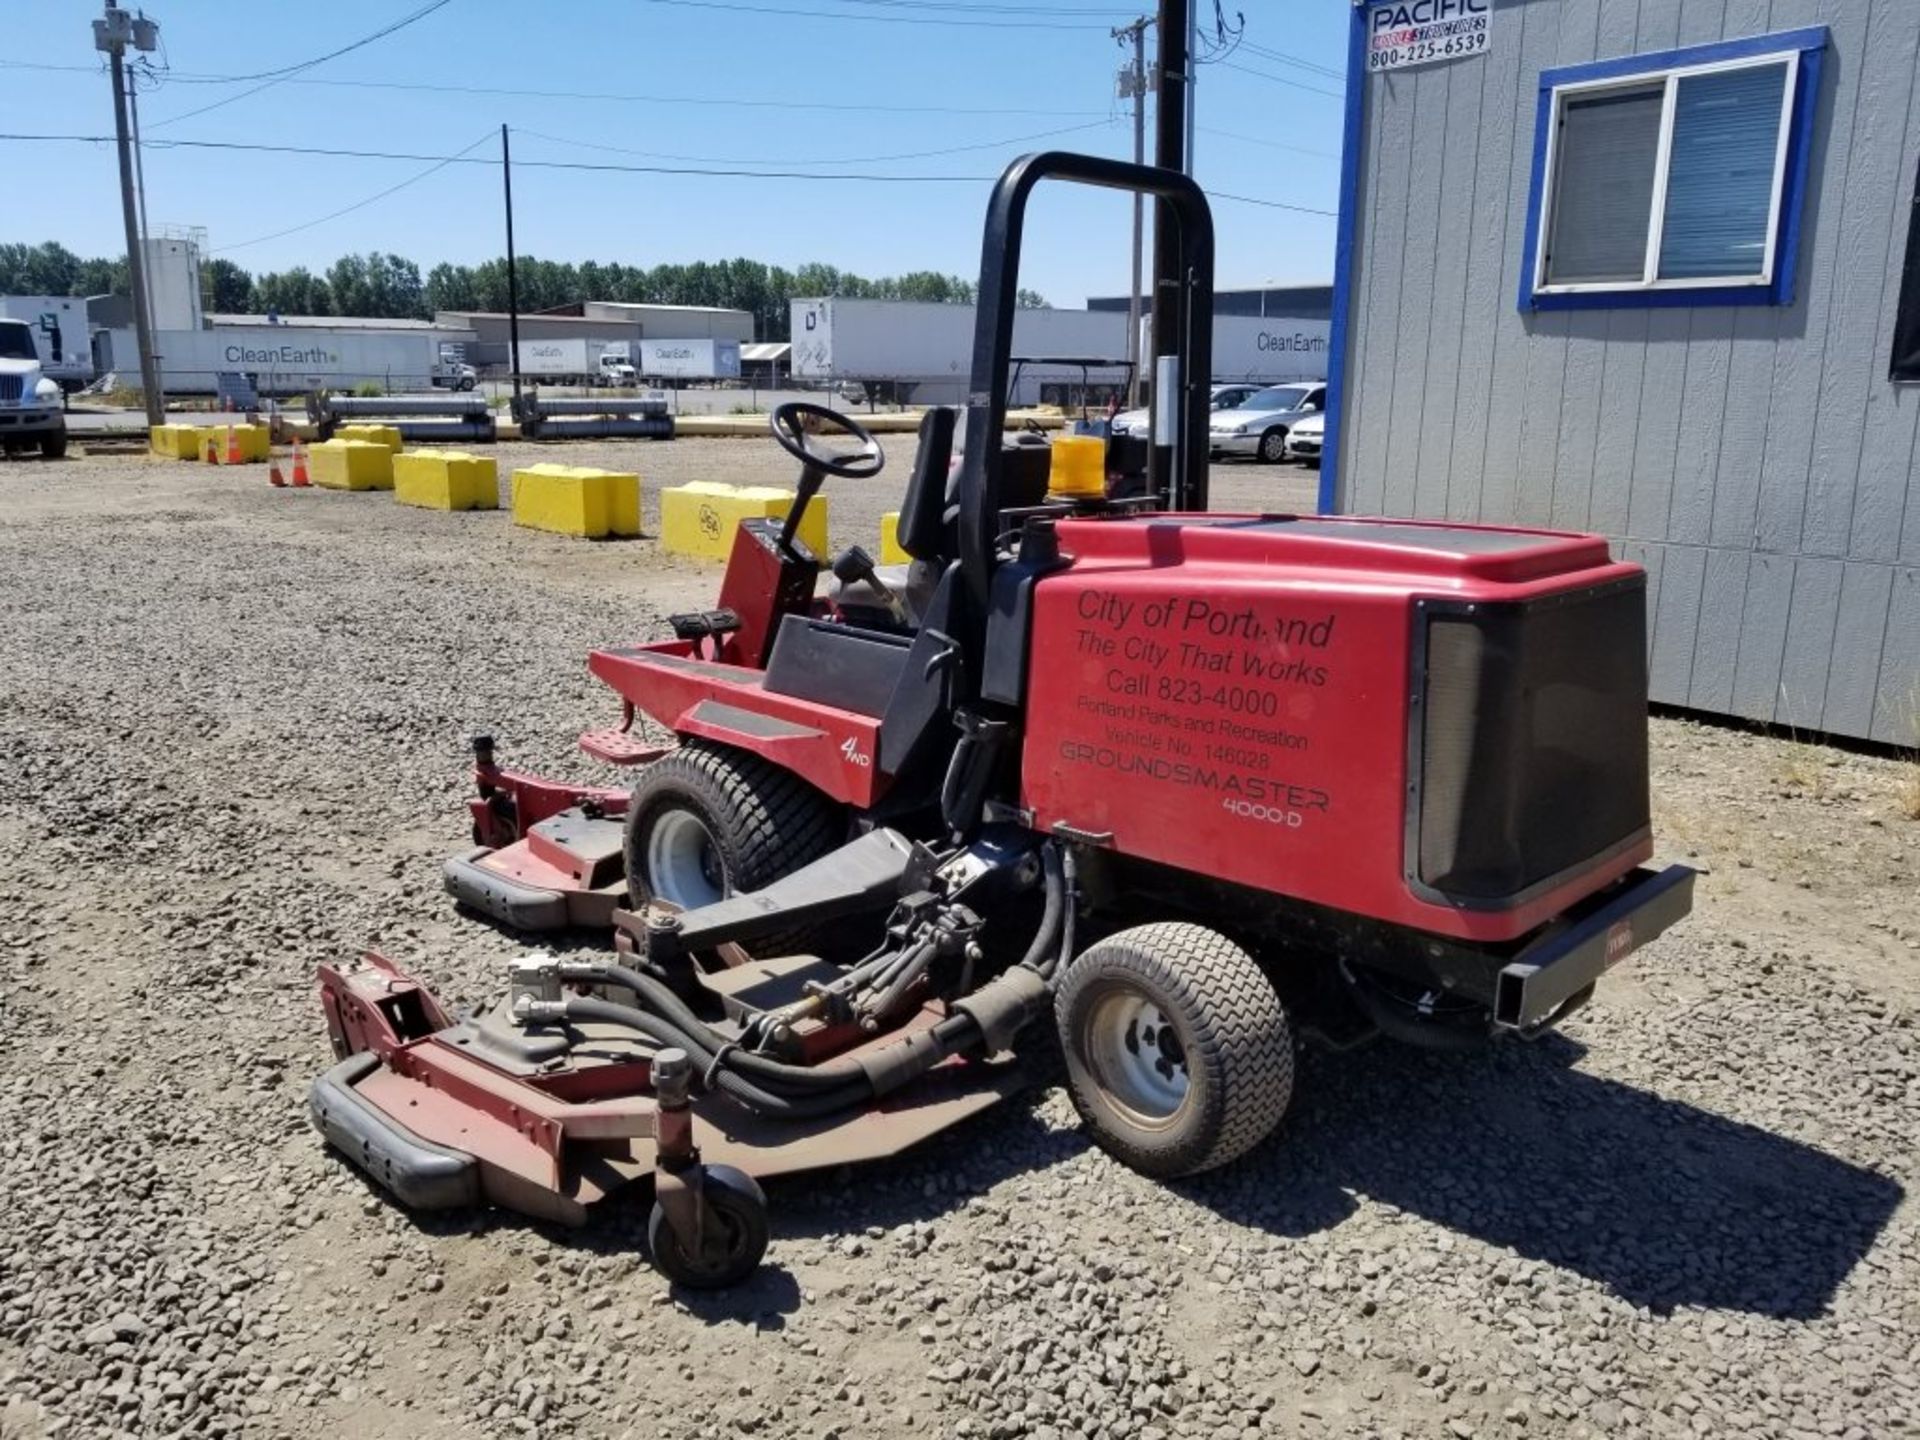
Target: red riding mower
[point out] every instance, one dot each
(1384, 774)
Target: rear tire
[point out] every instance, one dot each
(709, 821)
(1273, 446)
(1179, 1053)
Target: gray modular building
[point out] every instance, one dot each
(1646, 267)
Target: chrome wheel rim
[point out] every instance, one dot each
(1138, 1057)
(683, 861)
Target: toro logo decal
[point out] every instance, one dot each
(1619, 942)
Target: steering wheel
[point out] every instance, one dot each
(788, 428)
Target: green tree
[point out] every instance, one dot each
(226, 288)
(292, 292)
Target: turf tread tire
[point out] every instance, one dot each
(1239, 1044)
(768, 822)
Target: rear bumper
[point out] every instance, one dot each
(1557, 972)
(418, 1173)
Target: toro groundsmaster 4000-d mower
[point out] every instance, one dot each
(1183, 785)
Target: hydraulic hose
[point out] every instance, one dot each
(775, 1088)
(1037, 958)
(659, 1001)
(824, 1101)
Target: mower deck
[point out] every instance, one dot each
(478, 1111)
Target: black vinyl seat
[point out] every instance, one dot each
(923, 531)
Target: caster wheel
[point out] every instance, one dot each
(734, 1233)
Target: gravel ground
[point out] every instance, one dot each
(234, 720)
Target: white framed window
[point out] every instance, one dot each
(1680, 172)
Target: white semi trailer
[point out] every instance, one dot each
(575, 361)
(924, 350)
(283, 359)
(60, 335)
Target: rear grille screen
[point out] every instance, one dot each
(1533, 745)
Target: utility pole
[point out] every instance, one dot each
(111, 34)
(1133, 86)
(1169, 283)
(513, 282)
(140, 189)
(1193, 74)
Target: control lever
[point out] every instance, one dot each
(855, 564)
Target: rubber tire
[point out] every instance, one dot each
(735, 1201)
(54, 447)
(1273, 446)
(1232, 1025)
(767, 822)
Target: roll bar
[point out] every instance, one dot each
(1178, 470)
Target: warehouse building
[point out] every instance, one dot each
(1647, 267)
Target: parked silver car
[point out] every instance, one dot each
(1306, 440)
(1259, 426)
(1225, 397)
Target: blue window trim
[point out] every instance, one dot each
(1811, 43)
(1352, 136)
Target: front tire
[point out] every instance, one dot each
(1273, 446)
(1179, 1052)
(709, 821)
(54, 446)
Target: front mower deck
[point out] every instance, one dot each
(551, 1123)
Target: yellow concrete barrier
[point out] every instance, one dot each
(890, 551)
(351, 465)
(700, 518)
(575, 500)
(176, 442)
(254, 442)
(446, 480)
(386, 435)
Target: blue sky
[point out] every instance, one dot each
(1273, 135)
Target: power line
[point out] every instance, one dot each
(336, 153)
(358, 204)
(270, 78)
(362, 42)
(1282, 80)
(992, 9)
(997, 24)
(462, 159)
(788, 160)
(1270, 144)
(1280, 57)
(591, 95)
(1271, 204)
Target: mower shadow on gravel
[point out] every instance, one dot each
(618, 1229)
(1665, 1204)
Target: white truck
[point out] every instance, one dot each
(60, 332)
(32, 412)
(577, 362)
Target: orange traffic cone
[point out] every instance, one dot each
(300, 479)
(233, 447)
(211, 453)
(274, 477)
